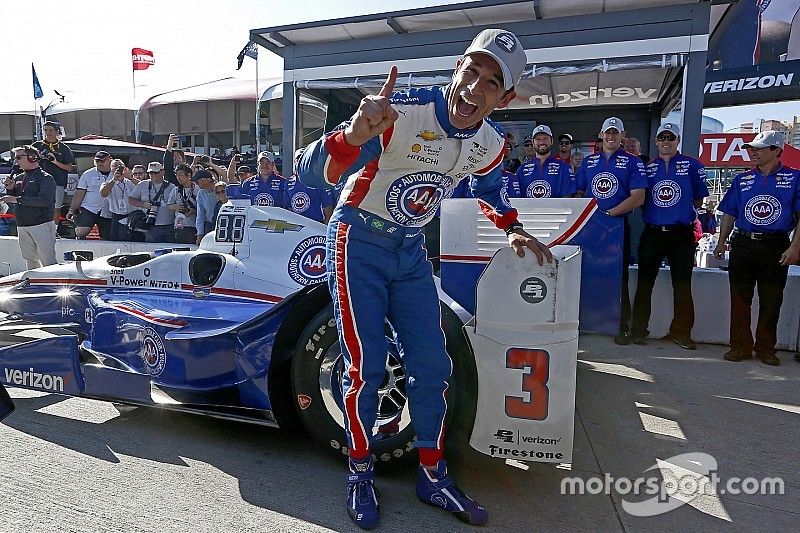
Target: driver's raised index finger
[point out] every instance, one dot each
(388, 85)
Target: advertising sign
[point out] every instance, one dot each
(725, 150)
(754, 54)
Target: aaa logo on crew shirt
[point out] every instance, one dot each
(413, 198)
(604, 185)
(666, 193)
(300, 202)
(264, 199)
(538, 189)
(762, 210)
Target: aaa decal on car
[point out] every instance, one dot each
(307, 262)
(153, 353)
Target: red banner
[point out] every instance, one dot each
(724, 150)
(142, 59)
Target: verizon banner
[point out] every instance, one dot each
(725, 150)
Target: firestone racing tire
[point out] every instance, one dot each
(317, 369)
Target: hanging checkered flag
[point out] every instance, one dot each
(249, 50)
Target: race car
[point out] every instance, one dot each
(241, 328)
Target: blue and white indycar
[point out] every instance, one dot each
(242, 328)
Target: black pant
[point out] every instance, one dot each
(754, 262)
(678, 247)
(186, 235)
(625, 307)
(119, 232)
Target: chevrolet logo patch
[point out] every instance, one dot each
(276, 226)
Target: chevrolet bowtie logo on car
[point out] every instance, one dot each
(276, 226)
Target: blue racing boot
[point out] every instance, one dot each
(362, 496)
(435, 487)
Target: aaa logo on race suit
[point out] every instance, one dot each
(307, 262)
(300, 202)
(666, 193)
(264, 199)
(604, 185)
(762, 210)
(413, 198)
(153, 353)
(538, 189)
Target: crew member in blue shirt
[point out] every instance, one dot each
(764, 203)
(311, 202)
(676, 186)
(616, 179)
(543, 175)
(266, 188)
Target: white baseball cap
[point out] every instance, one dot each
(541, 128)
(612, 122)
(506, 49)
(268, 155)
(670, 127)
(767, 138)
(154, 166)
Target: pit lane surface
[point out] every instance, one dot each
(80, 465)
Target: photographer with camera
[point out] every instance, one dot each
(234, 168)
(87, 202)
(57, 160)
(150, 197)
(206, 202)
(183, 201)
(116, 190)
(33, 192)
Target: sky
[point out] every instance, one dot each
(82, 48)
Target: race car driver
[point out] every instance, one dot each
(400, 155)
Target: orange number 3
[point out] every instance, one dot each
(533, 382)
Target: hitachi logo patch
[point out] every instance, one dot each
(31, 378)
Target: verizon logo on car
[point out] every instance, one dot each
(31, 378)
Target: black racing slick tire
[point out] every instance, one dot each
(316, 381)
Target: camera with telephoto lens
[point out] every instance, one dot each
(46, 155)
(151, 214)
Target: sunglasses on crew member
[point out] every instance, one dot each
(565, 142)
(669, 138)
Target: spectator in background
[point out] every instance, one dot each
(708, 216)
(633, 146)
(232, 173)
(87, 202)
(57, 160)
(33, 191)
(577, 159)
(183, 201)
(544, 175)
(153, 193)
(564, 148)
(316, 204)
(172, 156)
(617, 181)
(676, 186)
(117, 188)
(222, 198)
(266, 188)
(243, 173)
(206, 201)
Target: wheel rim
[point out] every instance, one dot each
(393, 416)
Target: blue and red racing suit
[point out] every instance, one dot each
(376, 260)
